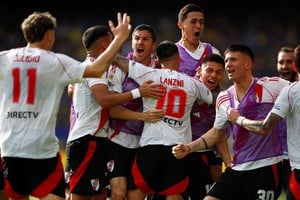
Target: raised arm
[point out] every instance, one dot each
(121, 33)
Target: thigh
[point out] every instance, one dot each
(156, 170)
(35, 177)
(87, 161)
(199, 175)
(119, 160)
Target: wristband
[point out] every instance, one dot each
(240, 120)
(135, 93)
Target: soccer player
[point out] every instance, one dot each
(124, 135)
(32, 80)
(192, 50)
(87, 140)
(155, 169)
(286, 107)
(205, 166)
(252, 154)
(285, 69)
(285, 64)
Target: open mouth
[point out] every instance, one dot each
(140, 50)
(197, 34)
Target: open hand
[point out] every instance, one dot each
(150, 89)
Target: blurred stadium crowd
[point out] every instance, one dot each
(265, 29)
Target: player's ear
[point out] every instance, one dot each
(180, 25)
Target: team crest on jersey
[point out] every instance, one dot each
(111, 77)
(110, 165)
(254, 98)
(95, 184)
(111, 72)
(196, 114)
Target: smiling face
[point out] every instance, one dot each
(238, 66)
(285, 61)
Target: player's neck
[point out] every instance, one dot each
(242, 87)
(39, 45)
(189, 45)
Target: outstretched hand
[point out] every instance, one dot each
(123, 29)
(149, 89)
(180, 151)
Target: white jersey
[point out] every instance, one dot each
(91, 118)
(125, 133)
(287, 105)
(32, 83)
(181, 93)
(256, 104)
(116, 79)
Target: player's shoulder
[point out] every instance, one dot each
(274, 80)
(222, 99)
(213, 48)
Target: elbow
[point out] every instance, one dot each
(107, 104)
(104, 103)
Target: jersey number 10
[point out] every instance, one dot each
(169, 100)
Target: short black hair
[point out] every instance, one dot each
(240, 48)
(92, 34)
(214, 58)
(165, 50)
(148, 28)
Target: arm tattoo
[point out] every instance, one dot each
(262, 126)
(121, 60)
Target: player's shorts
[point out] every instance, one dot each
(214, 158)
(294, 185)
(120, 160)
(199, 173)
(261, 183)
(87, 162)
(285, 173)
(1, 176)
(156, 171)
(35, 177)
